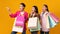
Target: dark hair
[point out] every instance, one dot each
(22, 4)
(36, 8)
(46, 7)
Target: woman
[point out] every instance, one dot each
(44, 19)
(17, 15)
(34, 13)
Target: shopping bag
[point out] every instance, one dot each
(17, 28)
(55, 18)
(32, 23)
(52, 22)
(38, 27)
(47, 22)
(20, 21)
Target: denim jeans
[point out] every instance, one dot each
(35, 32)
(13, 32)
(46, 32)
(41, 32)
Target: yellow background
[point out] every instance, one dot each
(6, 22)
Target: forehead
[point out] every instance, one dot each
(44, 7)
(33, 7)
(20, 5)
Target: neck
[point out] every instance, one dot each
(22, 10)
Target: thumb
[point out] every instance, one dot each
(8, 8)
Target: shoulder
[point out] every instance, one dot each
(46, 12)
(17, 11)
(26, 12)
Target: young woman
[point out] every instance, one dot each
(34, 13)
(44, 19)
(17, 15)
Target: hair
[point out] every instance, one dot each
(36, 8)
(23, 4)
(46, 7)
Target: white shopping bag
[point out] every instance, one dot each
(32, 23)
(16, 28)
(38, 27)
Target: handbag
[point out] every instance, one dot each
(47, 22)
(20, 21)
(18, 24)
(32, 23)
(17, 27)
(55, 18)
(38, 27)
(51, 21)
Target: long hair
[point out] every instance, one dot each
(36, 8)
(46, 7)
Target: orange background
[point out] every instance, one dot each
(6, 22)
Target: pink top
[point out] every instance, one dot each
(17, 13)
(45, 23)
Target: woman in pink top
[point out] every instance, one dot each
(44, 20)
(18, 15)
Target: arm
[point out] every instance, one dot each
(13, 15)
(40, 20)
(10, 14)
(26, 17)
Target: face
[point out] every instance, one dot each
(21, 8)
(33, 9)
(44, 8)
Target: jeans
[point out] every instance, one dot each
(46, 32)
(41, 32)
(35, 32)
(13, 32)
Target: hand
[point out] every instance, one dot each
(31, 13)
(8, 9)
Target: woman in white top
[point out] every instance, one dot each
(34, 13)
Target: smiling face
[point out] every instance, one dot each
(44, 8)
(33, 9)
(21, 7)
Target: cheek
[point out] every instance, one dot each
(21, 7)
(43, 8)
(33, 9)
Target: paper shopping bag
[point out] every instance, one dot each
(20, 21)
(52, 22)
(55, 18)
(17, 28)
(38, 27)
(32, 23)
(47, 22)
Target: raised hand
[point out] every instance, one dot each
(8, 9)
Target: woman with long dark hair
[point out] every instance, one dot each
(44, 19)
(34, 13)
